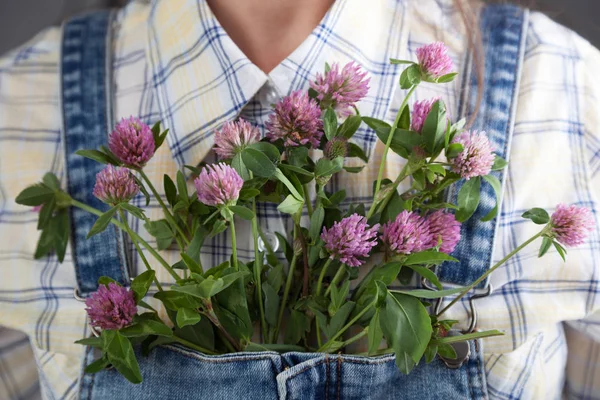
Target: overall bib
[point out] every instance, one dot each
(174, 372)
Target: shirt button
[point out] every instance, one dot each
(271, 239)
(269, 95)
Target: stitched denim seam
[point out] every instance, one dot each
(339, 376)
(192, 354)
(327, 373)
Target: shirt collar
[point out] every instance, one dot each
(202, 79)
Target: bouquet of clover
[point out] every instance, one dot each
(304, 303)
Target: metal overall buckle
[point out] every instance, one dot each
(462, 349)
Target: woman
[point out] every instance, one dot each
(196, 64)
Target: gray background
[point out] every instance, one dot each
(21, 19)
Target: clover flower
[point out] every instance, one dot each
(444, 226)
(408, 233)
(434, 60)
(233, 137)
(350, 239)
(477, 156)
(132, 142)
(341, 89)
(571, 224)
(111, 307)
(218, 185)
(420, 111)
(297, 120)
(115, 185)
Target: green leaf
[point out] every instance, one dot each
(271, 303)
(91, 341)
(136, 211)
(192, 265)
(375, 334)
(161, 139)
(396, 61)
(430, 294)
(218, 227)
(295, 169)
(326, 167)
(354, 170)
(258, 162)
(355, 150)
(546, 244)
(155, 131)
(339, 318)
(147, 327)
(537, 215)
(187, 316)
(410, 76)
(428, 257)
(297, 326)
(499, 163)
(170, 190)
(242, 212)
(121, 356)
(176, 300)
(297, 156)
(497, 186)
(205, 290)
(182, 188)
(454, 149)
(447, 78)
(102, 222)
(105, 280)
(46, 213)
(35, 195)
(291, 205)
(51, 181)
(316, 222)
(96, 156)
(142, 189)
(407, 328)
(249, 194)
(349, 127)
(238, 164)
(329, 123)
(468, 199)
(197, 242)
(97, 366)
(434, 127)
(141, 284)
(561, 250)
(427, 274)
(231, 308)
(162, 232)
(430, 352)
(445, 350)
(468, 336)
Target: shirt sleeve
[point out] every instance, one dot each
(583, 336)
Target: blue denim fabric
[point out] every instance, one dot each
(172, 372)
(503, 32)
(87, 120)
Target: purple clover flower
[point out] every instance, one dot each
(420, 111)
(218, 185)
(571, 224)
(111, 307)
(132, 142)
(444, 226)
(233, 137)
(297, 120)
(341, 89)
(477, 156)
(115, 185)
(408, 233)
(434, 60)
(350, 239)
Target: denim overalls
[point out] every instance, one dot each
(173, 372)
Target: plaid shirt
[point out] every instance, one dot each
(174, 62)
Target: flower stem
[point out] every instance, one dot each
(309, 207)
(233, 245)
(258, 270)
(345, 327)
(210, 314)
(137, 247)
(387, 148)
(117, 223)
(488, 272)
(356, 337)
(194, 346)
(336, 279)
(166, 211)
(322, 275)
(304, 259)
(286, 293)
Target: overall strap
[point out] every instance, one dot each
(503, 30)
(86, 84)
